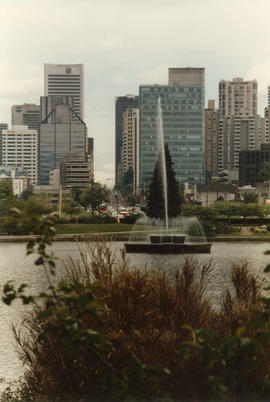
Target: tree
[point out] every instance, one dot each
(76, 192)
(155, 201)
(94, 195)
(39, 204)
(6, 190)
(28, 192)
(264, 172)
(250, 198)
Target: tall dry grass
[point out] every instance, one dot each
(143, 314)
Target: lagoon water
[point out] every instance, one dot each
(14, 265)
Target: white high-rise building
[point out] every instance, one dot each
(130, 143)
(20, 149)
(240, 127)
(237, 97)
(65, 80)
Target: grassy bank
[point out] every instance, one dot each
(76, 228)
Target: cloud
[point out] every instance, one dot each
(260, 70)
(125, 43)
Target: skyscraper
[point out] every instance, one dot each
(49, 103)
(182, 103)
(27, 114)
(59, 139)
(122, 103)
(211, 138)
(65, 80)
(130, 143)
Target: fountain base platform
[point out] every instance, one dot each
(168, 248)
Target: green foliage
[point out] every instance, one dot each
(250, 198)
(131, 219)
(6, 190)
(228, 209)
(72, 209)
(264, 172)
(155, 201)
(94, 195)
(204, 213)
(38, 204)
(225, 228)
(26, 194)
(228, 362)
(91, 219)
(76, 193)
(23, 217)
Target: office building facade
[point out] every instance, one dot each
(122, 103)
(20, 149)
(58, 140)
(27, 114)
(74, 172)
(3, 126)
(211, 139)
(90, 157)
(183, 114)
(129, 157)
(49, 103)
(183, 127)
(66, 80)
(250, 163)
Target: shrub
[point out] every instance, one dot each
(131, 219)
(92, 219)
(63, 219)
(225, 228)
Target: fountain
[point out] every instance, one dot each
(168, 235)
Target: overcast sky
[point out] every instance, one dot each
(125, 43)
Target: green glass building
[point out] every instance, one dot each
(183, 126)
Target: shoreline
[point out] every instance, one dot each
(109, 236)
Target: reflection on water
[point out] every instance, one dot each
(14, 265)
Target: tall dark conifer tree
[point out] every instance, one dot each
(156, 204)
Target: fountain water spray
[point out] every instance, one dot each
(163, 161)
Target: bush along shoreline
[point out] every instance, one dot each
(112, 332)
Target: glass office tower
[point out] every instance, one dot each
(58, 140)
(183, 126)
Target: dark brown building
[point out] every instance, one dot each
(250, 163)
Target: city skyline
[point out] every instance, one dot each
(127, 44)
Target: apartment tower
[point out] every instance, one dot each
(240, 127)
